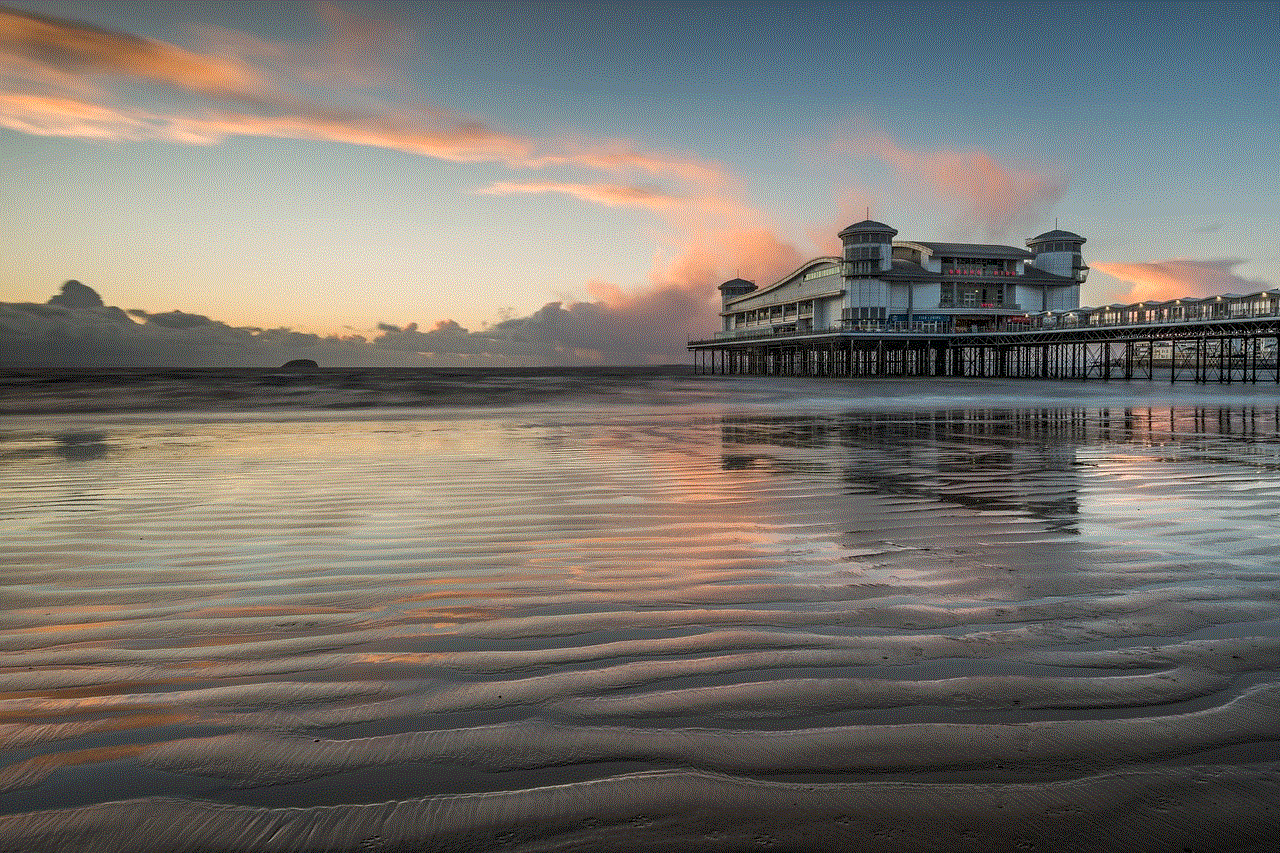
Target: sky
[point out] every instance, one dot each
(506, 183)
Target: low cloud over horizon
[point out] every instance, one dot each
(1179, 278)
(75, 328)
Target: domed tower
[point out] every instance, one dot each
(865, 241)
(1058, 252)
(734, 288)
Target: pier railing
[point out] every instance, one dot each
(1209, 309)
(1238, 343)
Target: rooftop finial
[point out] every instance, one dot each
(868, 211)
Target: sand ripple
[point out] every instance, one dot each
(651, 628)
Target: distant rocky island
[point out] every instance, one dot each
(300, 364)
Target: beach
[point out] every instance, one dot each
(634, 609)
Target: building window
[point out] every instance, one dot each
(852, 253)
(963, 295)
(820, 273)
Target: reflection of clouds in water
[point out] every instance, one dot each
(71, 445)
(62, 462)
(81, 446)
(389, 600)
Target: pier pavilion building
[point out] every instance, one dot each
(880, 282)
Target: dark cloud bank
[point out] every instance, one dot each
(76, 329)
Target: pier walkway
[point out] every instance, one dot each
(1219, 339)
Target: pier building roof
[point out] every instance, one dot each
(867, 225)
(1057, 234)
(969, 250)
(804, 281)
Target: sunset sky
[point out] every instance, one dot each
(412, 183)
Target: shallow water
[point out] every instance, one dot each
(623, 610)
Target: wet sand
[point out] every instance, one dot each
(659, 625)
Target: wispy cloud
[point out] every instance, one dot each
(989, 198)
(359, 49)
(1177, 278)
(52, 115)
(855, 205)
(610, 195)
(241, 85)
(56, 76)
(464, 141)
(33, 43)
(620, 156)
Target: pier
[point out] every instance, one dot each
(1222, 339)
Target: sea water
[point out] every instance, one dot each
(635, 609)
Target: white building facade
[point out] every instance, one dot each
(879, 282)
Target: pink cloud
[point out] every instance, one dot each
(43, 115)
(465, 141)
(79, 48)
(359, 49)
(722, 237)
(855, 206)
(989, 197)
(1174, 279)
(62, 61)
(651, 323)
(462, 142)
(610, 195)
(648, 324)
(618, 156)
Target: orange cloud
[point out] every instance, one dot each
(654, 322)
(620, 156)
(648, 324)
(1175, 279)
(854, 207)
(71, 46)
(610, 195)
(721, 236)
(42, 115)
(463, 142)
(359, 49)
(60, 60)
(991, 198)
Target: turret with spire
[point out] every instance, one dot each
(1058, 252)
(869, 240)
(735, 287)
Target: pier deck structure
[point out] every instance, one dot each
(1217, 339)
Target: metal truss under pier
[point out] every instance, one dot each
(1240, 350)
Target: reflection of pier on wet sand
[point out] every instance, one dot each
(647, 627)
